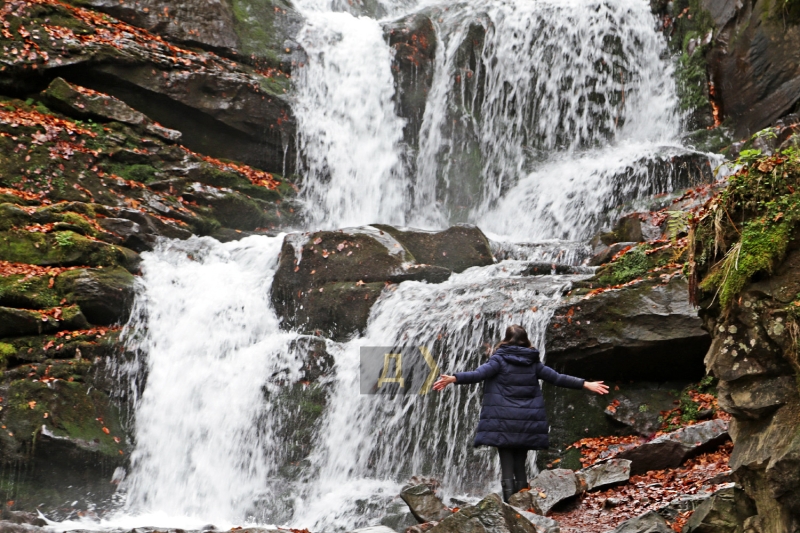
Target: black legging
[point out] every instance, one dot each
(512, 463)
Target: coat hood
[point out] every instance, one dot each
(518, 355)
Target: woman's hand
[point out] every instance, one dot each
(443, 381)
(594, 386)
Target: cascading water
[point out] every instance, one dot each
(565, 112)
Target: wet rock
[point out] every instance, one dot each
(755, 73)
(317, 362)
(672, 449)
(424, 504)
(610, 472)
(12, 527)
(20, 322)
(413, 39)
(650, 522)
(457, 248)
(724, 512)
(490, 515)
(82, 103)
(327, 281)
(22, 517)
(149, 228)
(104, 296)
(549, 269)
(551, 487)
(131, 234)
(607, 253)
(648, 331)
(629, 229)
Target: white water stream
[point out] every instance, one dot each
(578, 117)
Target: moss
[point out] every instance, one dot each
(6, 351)
(761, 247)
(60, 248)
(28, 292)
(763, 198)
(137, 172)
(633, 264)
(73, 411)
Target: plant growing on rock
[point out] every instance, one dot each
(745, 231)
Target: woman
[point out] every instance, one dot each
(513, 418)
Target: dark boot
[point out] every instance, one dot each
(519, 485)
(508, 488)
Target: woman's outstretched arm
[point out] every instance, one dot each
(571, 382)
(485, 371)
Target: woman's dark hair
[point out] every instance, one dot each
(515, 336)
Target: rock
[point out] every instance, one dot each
(424, 504)
(20, 322)
(756, 398)
(751, 64)
(543, 524)
(553, 486)
(610, 472)
(629, 229)
(607, 253)
(104, 296)
(12, 527)
(327, 281)
(456, 248)
(672, 449)
(130, 233)
(724, 512)
(23, 517)
(222, 108)
(640, 409)
(413, 39)
(650, 522)
(63, 248)
(224, 26)
(82, 103)
(490, 515)
(549, 269)
(648, 331)
(526, 500)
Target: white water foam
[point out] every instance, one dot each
(209, 342)
(349, 136)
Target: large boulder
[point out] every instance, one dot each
(222, 108)
(105, 296)
(752, 63)
(424, 504)
(327, 281)
(83, 103)
(648, 331)
(672, 449)
(456, 248)
(490, 515)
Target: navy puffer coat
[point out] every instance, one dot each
(513, 413)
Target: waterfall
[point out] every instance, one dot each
(563, 114)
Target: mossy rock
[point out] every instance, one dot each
(63, 248)
(338, 277)
(20, 322)
(104, 295)
(74, 412)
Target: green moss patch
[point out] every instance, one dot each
(746, 230)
